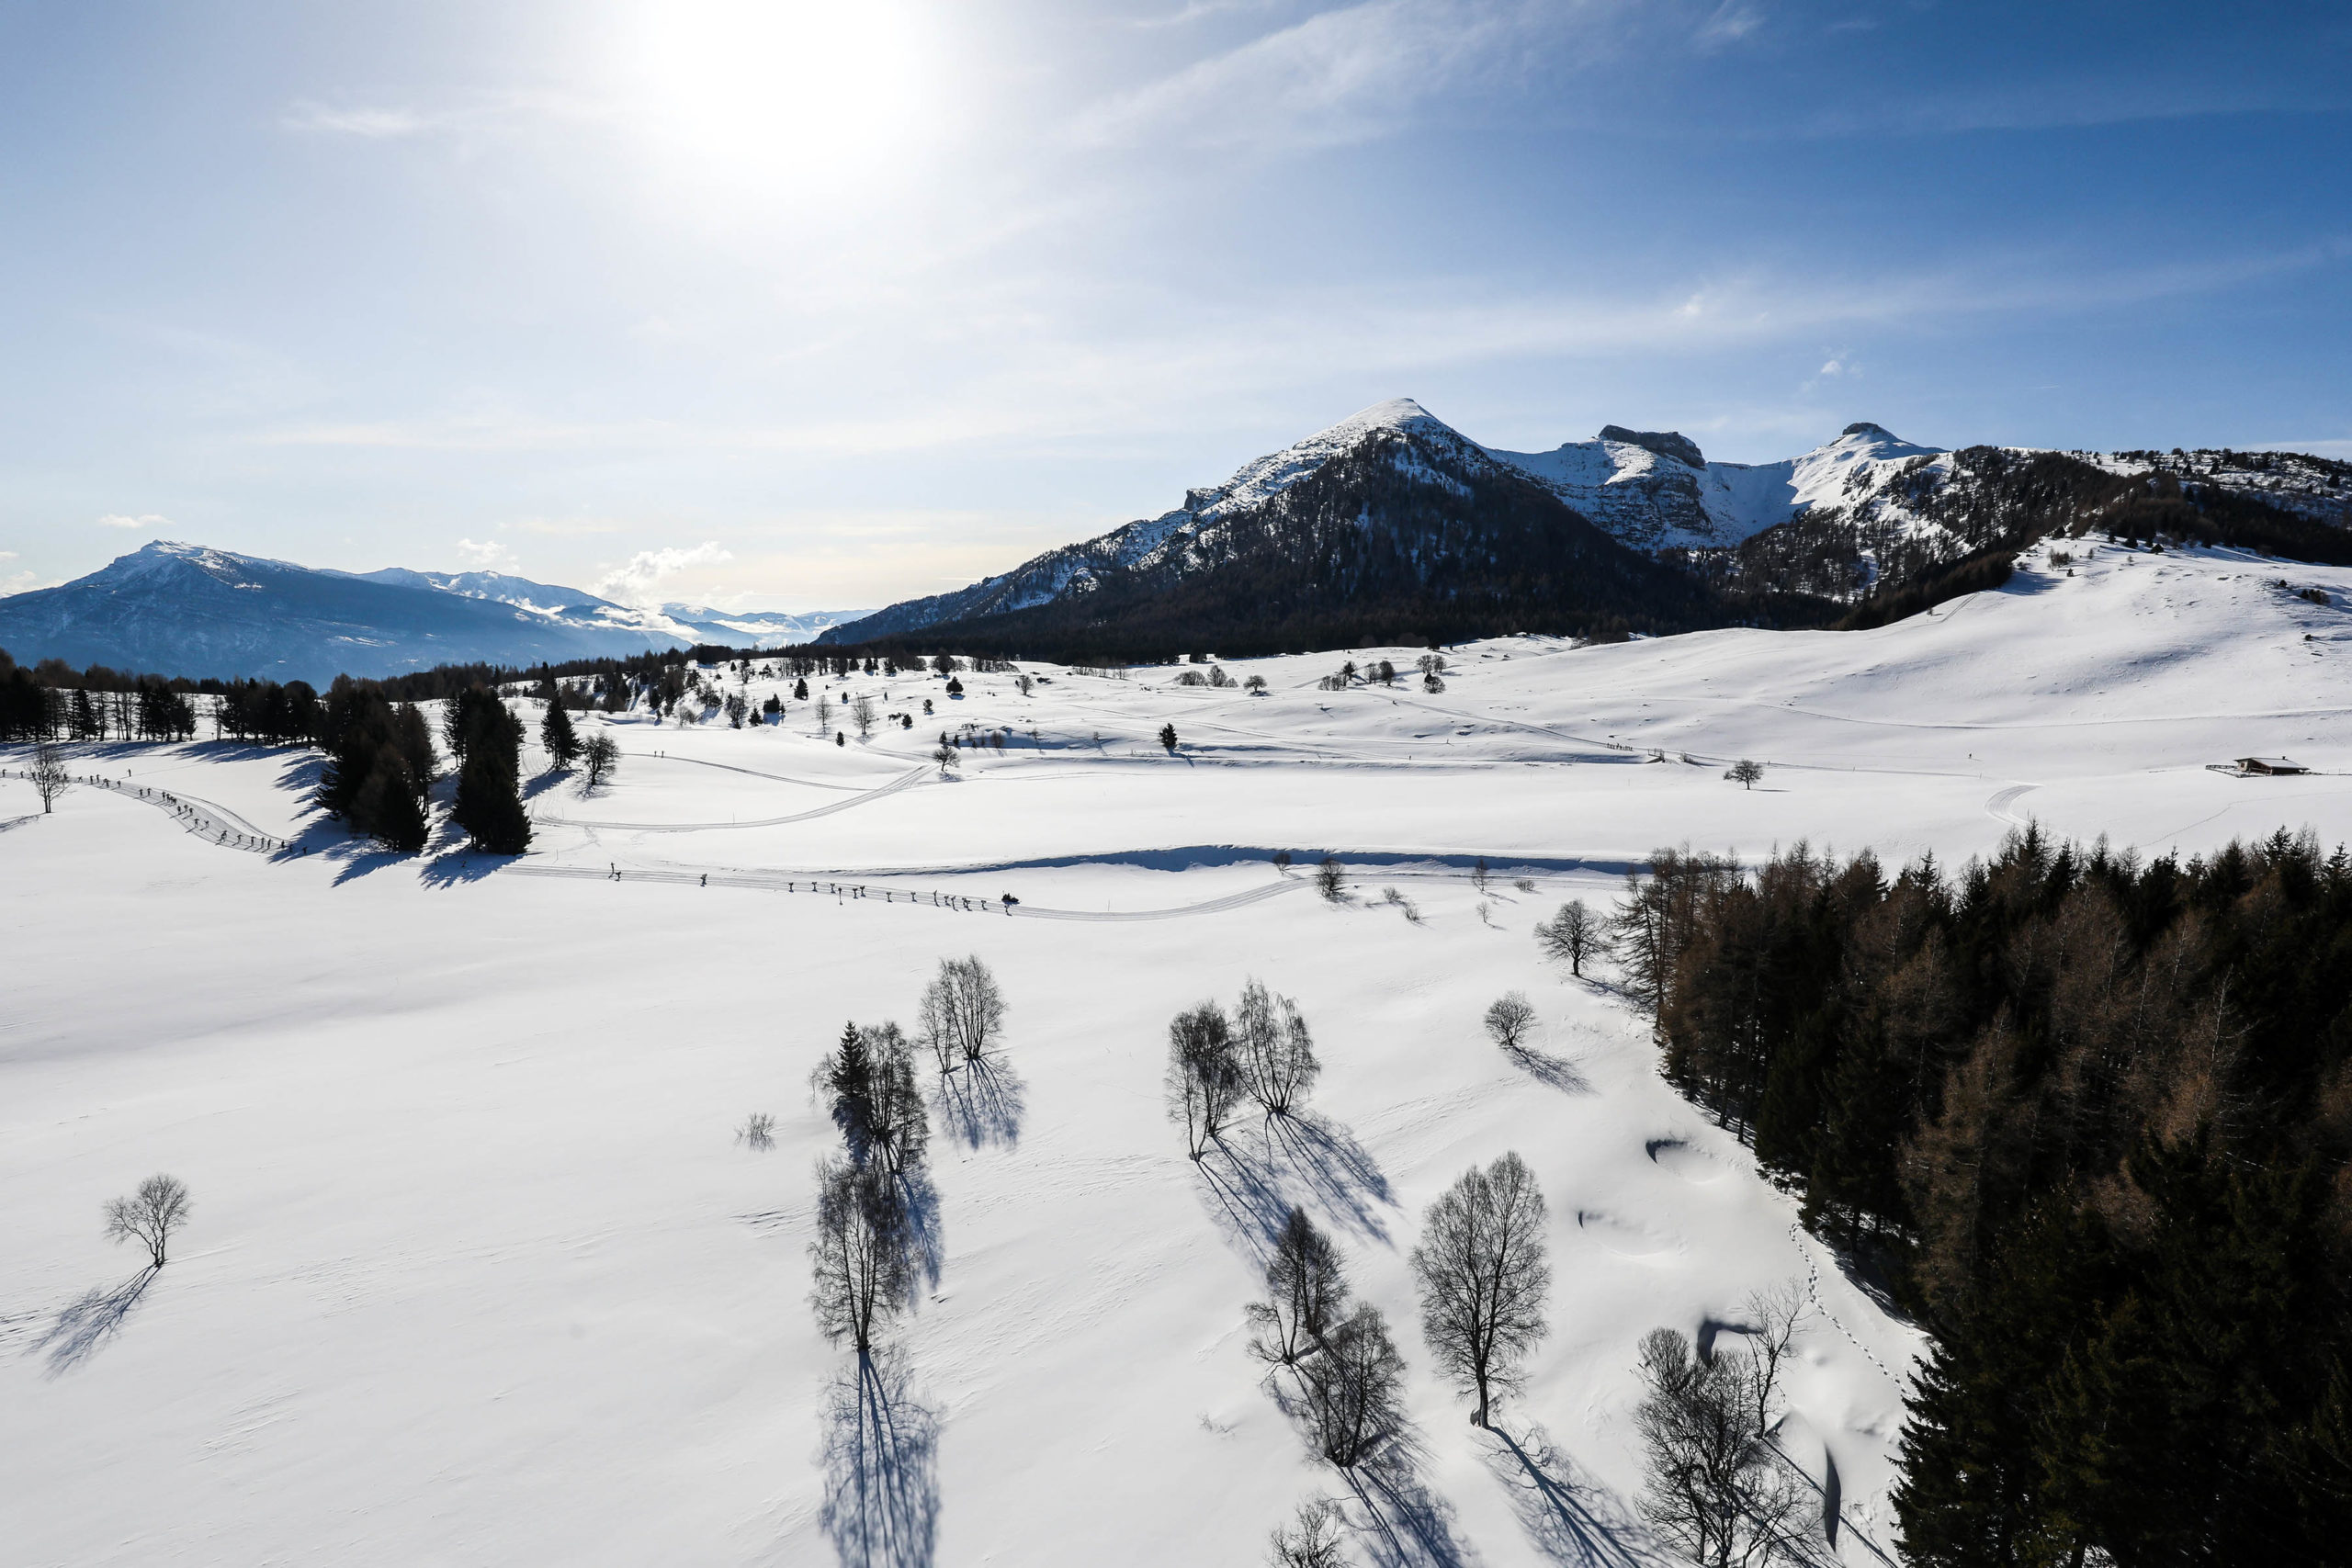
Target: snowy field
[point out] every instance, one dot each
(478, 1272)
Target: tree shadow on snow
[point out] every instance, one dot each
(1570, 1520)
(453, 867)
(920, 1202)
(97, 1317)
(544, 782)
(1555, 1072)
(1406, 1525)
(1256, 1175)
(881, 1463)
(982, 1103)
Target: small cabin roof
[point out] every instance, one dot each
(2272, 764)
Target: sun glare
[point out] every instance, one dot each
(789, 91)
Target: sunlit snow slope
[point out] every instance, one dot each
(478, 1272)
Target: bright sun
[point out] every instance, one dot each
(794, 92)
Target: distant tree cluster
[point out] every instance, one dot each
(381, 764)
(53, 702)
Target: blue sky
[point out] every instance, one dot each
(820, 305)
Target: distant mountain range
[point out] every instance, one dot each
(175, 609)
(1392, 525)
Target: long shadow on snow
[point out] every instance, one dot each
(97, 1317)
(982, 1103)
(919, 1200)
(1556, 1072)
(1407, 1525)
(881, 1463)
(1256, 1175)
(1552, 1504)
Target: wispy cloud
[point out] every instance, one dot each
(1342, 76)
(125, 520)
(487, 555)
(1730, 22)
(635, 582)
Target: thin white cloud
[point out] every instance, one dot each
(1732, 21)
(125, 520)
(1342, 76)
(635, 582)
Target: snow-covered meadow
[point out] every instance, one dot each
(480, 1271)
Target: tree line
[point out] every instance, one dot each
(2090, 1117)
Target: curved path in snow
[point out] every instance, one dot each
(213, 823)
(2002, 806)
(871, 893)
(905, 780)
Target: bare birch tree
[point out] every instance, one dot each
(1483, 1276)
(1570, 937)
(1352, 1392)
(1205, 1075)
(1716, 1488)
(48, 775)
(962, 1012)
(1277, 1056)
(1306, 1295)
(863, 1257)
(149, 1215)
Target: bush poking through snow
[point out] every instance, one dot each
(758, 1132)
(1312, 1540)
(1509, 1020)
(1327, 879)
(149, 1215)
(1483, 1276)
(1205, 1075)
(1410, 910)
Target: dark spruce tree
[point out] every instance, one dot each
(557, 736)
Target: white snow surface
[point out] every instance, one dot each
(478, 1272)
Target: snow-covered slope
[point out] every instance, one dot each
(479, 1271)
(1074, 569)
(178, 609)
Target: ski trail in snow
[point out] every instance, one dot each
(1999, 808)
(912, 777)
(213, 823)
(875, 893)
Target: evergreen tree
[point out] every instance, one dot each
(557, 736)
(490, 802)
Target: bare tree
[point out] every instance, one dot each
(1479, 872)
(1745, 773)
(48, 775)
(897, 1121)
(149, 1215)
(1306, 1295)
(758, 1131)
(824, 714)
(1569, 937)
(1483, 1276)
(863, 1257)
(865, 714)
(1276, 1053)
(1716, 1488)
(600, 758)
(1313, 1541)
(1326, 878)
(1657, 917)
(963, 1013)
(947, 757)
(1509, 1020)
(1205, 1075)
(1350, 1392)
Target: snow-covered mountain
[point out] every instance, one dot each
(179, 609)
(1653, 492)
